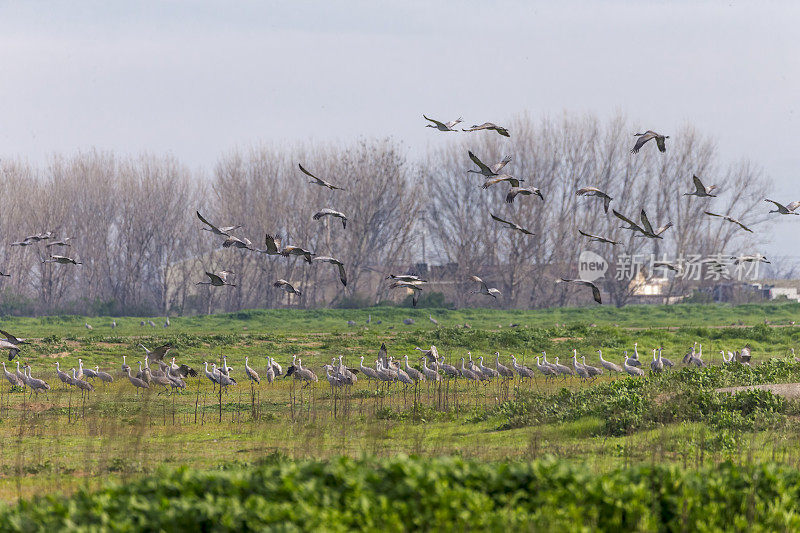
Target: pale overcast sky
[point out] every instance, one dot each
(197, 78)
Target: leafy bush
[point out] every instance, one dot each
(429, 494)
(627, 405)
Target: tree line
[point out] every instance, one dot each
(132, 224)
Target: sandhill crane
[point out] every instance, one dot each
(646, 136)
(85, 386)
(633, 226)
(580, 370)
(413, 373)
(484, 289)
(318, 181)
(272, 245)
(514, 182)
(287, 287)
(216, 230)
(749, 259)
(20, 375)
(429, 373)
(349, 376)
(334, 381)
(513, 192)
(511, 225)
(36, 384)
(175, 380)
(236, 242)
(79, 374)
(270, 372)
(60, 242)
(788, 209)
(137, 382)
(433, 321)
(502, 370)
(384, 374)
(442, 126)
(729, 219)
(89, 373)
(61, 260)
(594, 191)
(252, 374)
(413, 286)
(13, 350)
(305, 374)
(489, 126)
(487, 371)
(744, 356)
(276, 367)
(12, 378)
(431, 355)
(562, 369)
(449, 370)
(636, 361)
(595, 290)
(690, 354)
(215, 281)
(125, 366)
(523, 371)
(182, 370)
(113, 324)
(547, 363)
(11, 339)
(223, 379)
(331, 213)
(632, 370)
(88, 326)
(223, 274)
(158, 353)
(701, 190)
(472, 366)
(608, 365)
(143, 374)
(226, 369)
(646, 229)
(545, 369)
(370, 372)
(656, 365)
(667, 362)
(63, 376)
(407, 278)
(696, 358)
(597, 238)
(210, 375)
(488, 171)
(467, 373)
(404, 378)
(32, 239)
(592, 370)
(296, 250)
(338, 264)
(105, 377)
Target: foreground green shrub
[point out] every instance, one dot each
(429, 494)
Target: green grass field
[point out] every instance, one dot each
(60, 442)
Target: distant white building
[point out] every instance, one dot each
(789, 292)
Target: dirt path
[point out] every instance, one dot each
(790, 391)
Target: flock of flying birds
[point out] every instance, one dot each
(493, 175)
